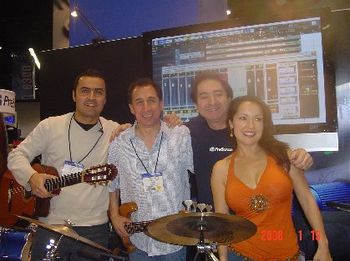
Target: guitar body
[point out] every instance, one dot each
(14, 200)
(126, 210)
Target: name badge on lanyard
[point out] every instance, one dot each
(71, 167)
(152, 182)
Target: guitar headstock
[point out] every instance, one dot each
(100, 174)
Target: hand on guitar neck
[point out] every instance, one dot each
(37, 184)
(123, 225)
(119, 222)
(120, 218)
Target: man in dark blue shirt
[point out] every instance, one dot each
(210, 135)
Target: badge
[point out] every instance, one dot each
(71, 167)
(152, 182)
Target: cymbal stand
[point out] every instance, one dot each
(203, 247)
(51, 250)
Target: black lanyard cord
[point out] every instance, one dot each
(69, 141)
(137, 155)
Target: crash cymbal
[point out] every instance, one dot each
(183, 228)
(66, 231)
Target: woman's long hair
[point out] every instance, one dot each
(268, 142)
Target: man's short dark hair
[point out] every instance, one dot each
(203, 76)
(142, 83)
(89, 73)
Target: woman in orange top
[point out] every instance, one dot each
(256, 181)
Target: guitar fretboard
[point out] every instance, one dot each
(136, 227)
(60, 182)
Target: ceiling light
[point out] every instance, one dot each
(36, 60)
(74, 13)
(79, 14)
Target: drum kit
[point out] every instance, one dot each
(201, 229)
(14, 245)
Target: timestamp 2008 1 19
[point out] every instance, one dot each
(277, 235)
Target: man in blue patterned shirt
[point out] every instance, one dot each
(152, 162)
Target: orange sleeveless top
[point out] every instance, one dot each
(268, 206)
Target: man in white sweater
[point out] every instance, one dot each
(70, 142)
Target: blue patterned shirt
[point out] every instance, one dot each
(175, 158)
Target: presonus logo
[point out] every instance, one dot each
(7, 101)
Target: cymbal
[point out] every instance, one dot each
(183, 228)
(66, 231)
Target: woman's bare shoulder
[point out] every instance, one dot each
(222, 165)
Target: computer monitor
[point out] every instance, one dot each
(285, 63)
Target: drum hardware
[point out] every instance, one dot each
(15, 245)
(32, 227)
(202, 247)
(207, 248)
(190, 205)
(69, 223)
(51, 250)
(65, 231)
(202, 229)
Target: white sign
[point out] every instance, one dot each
(7, 101)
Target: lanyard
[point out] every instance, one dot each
(137, 155)
(69, 143)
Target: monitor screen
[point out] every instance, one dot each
(282, 62)
(10, 119)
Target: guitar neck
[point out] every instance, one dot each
(64, 181)
(136, 227)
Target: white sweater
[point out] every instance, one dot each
(82, 204)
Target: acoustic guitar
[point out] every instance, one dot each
(15, 200)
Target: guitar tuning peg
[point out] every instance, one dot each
(201, 206)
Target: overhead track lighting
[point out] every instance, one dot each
(79, 14)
